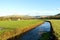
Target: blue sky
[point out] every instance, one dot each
(29, 7)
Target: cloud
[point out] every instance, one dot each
(31, 13)
(40, 12)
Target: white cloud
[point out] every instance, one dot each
(33, 12)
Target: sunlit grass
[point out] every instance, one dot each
(56, 27)
(9, 28)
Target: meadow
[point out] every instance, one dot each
(12, 28)
(56, 27)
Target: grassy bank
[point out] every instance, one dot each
(13, 28)
(56, 27)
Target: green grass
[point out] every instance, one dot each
(10, 26)
(17, 24)
(56, 27)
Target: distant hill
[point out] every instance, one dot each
(58, 14)
(15, 17)
(26, 17)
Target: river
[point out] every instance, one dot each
(35, 34)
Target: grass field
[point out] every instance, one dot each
(11, 28)
(56, 27)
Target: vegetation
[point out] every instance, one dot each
(13, 28)
(56, 27)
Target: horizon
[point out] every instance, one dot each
(29, 7)
(27, 15)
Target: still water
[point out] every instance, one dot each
(35, 34)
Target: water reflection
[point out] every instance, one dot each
(35, 34)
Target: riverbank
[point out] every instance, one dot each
(49, 35)
(56, 28)
(35, 33)
(25, 30)
(14, 32)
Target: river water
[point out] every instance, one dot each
(35, 34)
